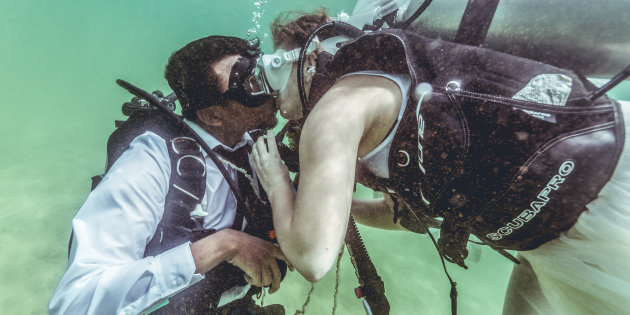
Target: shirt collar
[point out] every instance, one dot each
(212, 142)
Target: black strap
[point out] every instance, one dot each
(475, 22)
(453, 293)
(187, 182)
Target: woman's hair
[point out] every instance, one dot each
(290, 29)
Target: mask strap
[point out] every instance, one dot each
(293, 55)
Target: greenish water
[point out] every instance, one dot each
(58, 63)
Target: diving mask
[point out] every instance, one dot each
(270, 74)
(241, 82)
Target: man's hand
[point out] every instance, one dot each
(256, 257)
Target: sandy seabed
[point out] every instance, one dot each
(59, 61)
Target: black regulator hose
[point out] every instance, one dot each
(610, 84)
(406, 23)
(343, 29)
(153, 100)
(371, 287)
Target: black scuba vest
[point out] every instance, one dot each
(186, 189)
(472, 155)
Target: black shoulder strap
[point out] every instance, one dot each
(188, 173)
(476, 22)
(187, 184)
(177, 120)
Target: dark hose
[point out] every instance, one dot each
(344, 29)
(371, 285)
(156, 102)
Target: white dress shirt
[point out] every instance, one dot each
(106, 272)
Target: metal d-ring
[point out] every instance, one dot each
(194, 157)
(177, 150)
(453, 86)
(407, 156)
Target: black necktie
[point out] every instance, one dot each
(240, 159)
(259, 223)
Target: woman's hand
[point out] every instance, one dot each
(272, 174)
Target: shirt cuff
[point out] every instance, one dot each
(175, 270)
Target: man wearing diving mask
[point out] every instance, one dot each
(129, 253)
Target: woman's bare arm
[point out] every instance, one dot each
(375, 213)
(311, 226)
